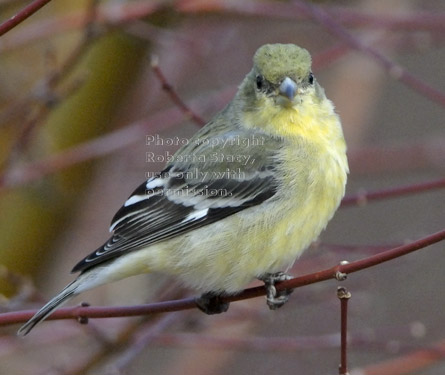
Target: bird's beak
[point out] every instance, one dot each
(288, 88)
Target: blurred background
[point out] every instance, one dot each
(78, 101)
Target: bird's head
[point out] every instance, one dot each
(281, 74)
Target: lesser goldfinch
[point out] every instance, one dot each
(241, 200)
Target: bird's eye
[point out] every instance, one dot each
(259, 82)
(311, 78)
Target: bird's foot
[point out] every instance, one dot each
(275, 299)
(211, 304)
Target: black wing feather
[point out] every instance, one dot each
(170, 204)
(158, 218)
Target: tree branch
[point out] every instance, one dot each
(337, 271)
(22, 15)
(174, 96)
(364, 197)
(396, 71)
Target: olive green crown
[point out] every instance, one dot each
(276, 61)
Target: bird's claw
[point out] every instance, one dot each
(275, 299)
(211, 304)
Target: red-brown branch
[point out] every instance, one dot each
(364, 197)
(396, 71)
(102, 145)
(344, 296)
(174, 96)
(121, 13)
(22, 15)
(189, 303)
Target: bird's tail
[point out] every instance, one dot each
(66, 294)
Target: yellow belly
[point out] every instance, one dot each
(227, 255)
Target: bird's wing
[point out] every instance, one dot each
(204, 183)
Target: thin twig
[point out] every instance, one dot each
(396, 71)
(108, 14)
(146, 335)
(344, 296)
(189, 303)
(176, 99)
(102, 145)
(364, 197)
(90, 32)
(47, 85)
(427, 152)
(22, 15)
(125, 336)
(124, 13)
(414, 21)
